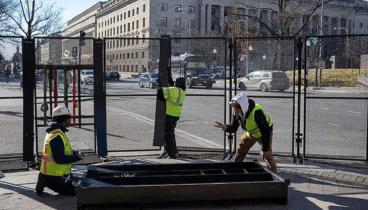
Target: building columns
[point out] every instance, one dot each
(222, 17)
(209, 18)
(202, 27)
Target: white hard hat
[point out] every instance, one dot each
(60, 111)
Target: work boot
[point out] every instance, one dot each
(162, 155)
(40, 185)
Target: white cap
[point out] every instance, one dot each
(60, 111)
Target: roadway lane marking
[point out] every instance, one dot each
(354, 112)
(334, 124)
(324, 108)
(193, 138)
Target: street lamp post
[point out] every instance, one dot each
(347, 43)
(189, 26)
(214, 59)
(249, 49)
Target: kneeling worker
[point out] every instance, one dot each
(257, 126)
(57, 155)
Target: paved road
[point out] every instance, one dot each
(334, 127)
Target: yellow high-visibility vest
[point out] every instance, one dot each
(174, 100)
(251, 126)
(48, 165)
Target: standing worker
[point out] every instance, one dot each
(174, 97)
(257, 125)
(57, 155)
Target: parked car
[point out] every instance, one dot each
(265, 80)
(87, 76)
(148, 80)
(112, 75)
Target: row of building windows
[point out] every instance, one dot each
(132, 55)
(191, 9)
(126, 68)
(118, 18)
(112, 44)
(177, 22)
(122, 28)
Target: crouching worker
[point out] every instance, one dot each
(57, 155)
(257, 125)
(174, 97)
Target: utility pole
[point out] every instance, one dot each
(320, 44)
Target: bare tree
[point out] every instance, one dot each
(6, 6)
(32, 19)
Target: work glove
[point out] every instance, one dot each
(80, 155)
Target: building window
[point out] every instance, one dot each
(128, 14)
(132, 55)
(136, 55)
(144, 22)
(177, 8)
(132, 67)
(361, 25)
(143, 36)
(213, 11)
(123, 55)
(136, 68)
(136, 42)
(191, 10)
(143, 69)
(163, 7)
(127, 68)
(114, 19)
(353, 24)
(142, 54)
(128, 44)
(128, 27)
(133, 25)
(177, 22)
(137, 10)
(124, 15)
(121, 29)
(137, 24)
(163, 21)
(192, 23)
(132, 12)
(124, 28)
(128, 55)
(121, 16)
(144, 8)
(124, 68)
(117, 17)
(113, 32)
(124, 42)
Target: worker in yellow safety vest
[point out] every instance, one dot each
(257, 126)
(174, 97)
(57, 155)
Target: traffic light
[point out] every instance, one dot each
(82, 34)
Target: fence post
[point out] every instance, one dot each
(99, 98)
(165, 55)
(298, 135)
(28, 99)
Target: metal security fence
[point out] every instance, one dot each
(335, 117)
(258, 63)
(11, 96)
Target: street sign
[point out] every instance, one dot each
(322, 64)
(75, 52)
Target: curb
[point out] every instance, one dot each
(343, 178)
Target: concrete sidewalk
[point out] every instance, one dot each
(312, 187)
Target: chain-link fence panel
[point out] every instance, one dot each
(11, 96)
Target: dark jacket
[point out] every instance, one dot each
(57, 146)
(261, 121)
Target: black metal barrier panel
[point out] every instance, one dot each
(265, 70)
(335, 107)
(146, 183)
(66, 77)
